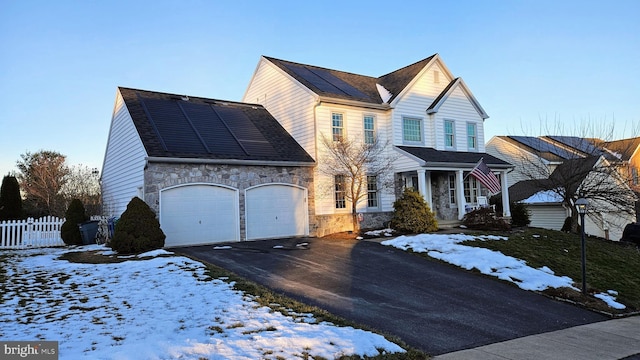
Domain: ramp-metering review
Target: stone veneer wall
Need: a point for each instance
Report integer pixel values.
(159, 176)
(441, 198)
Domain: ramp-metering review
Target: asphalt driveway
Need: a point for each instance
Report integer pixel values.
(432, 306)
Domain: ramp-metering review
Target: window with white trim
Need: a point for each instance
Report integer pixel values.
(452, 189)
(372, 191)
(471, 190)
(369, 129)
(472, 136)
(411, 130)
(449, 134)
(340, 195)
(337, 126)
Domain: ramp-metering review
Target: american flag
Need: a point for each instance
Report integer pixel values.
(486, 177)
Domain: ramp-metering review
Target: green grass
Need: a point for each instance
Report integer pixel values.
(610, 265)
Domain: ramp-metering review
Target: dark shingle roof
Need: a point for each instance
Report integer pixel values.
(176, 126)
(435, 157)
(541, 147)
(624, 147)
(526, 188)
(570, 174)
(396, 81)
(332, 83)
(344, 85)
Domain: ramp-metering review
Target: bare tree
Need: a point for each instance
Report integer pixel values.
(356, 163)
(577, 166)
(42, 175)
(82, 183)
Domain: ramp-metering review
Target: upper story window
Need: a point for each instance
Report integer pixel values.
(634, 176)
(340, 195)
(472, 136)
(337, 126)
(369, 129)
(449, 134)
(372, 191)
(411, 130)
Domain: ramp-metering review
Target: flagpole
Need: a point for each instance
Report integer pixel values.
(469, 173)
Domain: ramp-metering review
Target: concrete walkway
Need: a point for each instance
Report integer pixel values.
(611, 339)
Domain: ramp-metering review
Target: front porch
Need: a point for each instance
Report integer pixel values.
(443, 178)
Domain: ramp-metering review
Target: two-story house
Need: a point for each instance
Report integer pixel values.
(216, 170)
(432, 123)
(549, 169)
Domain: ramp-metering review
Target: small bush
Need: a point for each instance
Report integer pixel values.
(137, 230)
(411, 214)
(519, 215)
(75, 214)
(484, 219)
(566, 226)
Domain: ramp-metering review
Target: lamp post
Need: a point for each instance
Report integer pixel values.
(581, 206)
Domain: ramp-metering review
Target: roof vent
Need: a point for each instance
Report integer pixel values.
(185, 98)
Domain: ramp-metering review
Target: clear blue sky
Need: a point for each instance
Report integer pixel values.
(525, 61)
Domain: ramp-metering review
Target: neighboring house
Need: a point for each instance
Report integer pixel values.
(212, 170)
(542, 163)
(430, 120)
(627, 151)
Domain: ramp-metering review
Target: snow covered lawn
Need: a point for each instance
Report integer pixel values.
(447, 247)
(156, 307)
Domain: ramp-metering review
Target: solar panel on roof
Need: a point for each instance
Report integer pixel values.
(339, 83)
(212, 129)
(544, 146)
(323, 80)
(252, 140)
(174, 129)
(578, 143)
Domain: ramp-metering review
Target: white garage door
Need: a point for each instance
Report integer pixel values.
(199, 214)
(547, 216)
(276, 210)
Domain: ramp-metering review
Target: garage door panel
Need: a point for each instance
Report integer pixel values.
(276, 211)
(199, 214)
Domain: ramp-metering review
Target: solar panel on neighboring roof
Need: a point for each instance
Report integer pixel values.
(544, 146)
(578, 143)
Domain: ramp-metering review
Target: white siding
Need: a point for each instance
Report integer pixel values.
(123, 167)
(547, 216)
(415, 101)
(459, 109)
(353, 129)
(526, 164)
(287, 100)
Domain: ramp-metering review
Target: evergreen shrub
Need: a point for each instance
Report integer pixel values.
(137, 230)
(75, 215)
(519, 215)
(412, 215)
(10, 199)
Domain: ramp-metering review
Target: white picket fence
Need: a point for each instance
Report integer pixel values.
(30, 233)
